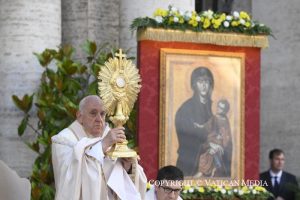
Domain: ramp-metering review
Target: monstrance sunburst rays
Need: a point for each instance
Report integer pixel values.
(119, 84)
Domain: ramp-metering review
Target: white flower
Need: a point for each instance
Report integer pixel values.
(235, 190)
(254, 191)
(241, 192)
(236, 14)
(229, 17)
(223, 191)
(261, 25)
(229, 192)
(191, 190)
(252, 24)
(173, 9)
(175, 19)
(198, 19)
(226, 24)
(242, 21)
(158, 19)
(208, 14)
(188, 15)
(181, 12)
(184, 191)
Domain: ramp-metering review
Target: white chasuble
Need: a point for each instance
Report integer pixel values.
(82, 172)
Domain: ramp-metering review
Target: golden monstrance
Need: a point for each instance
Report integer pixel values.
(119, 86)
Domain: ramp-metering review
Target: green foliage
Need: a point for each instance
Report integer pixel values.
(64, 82)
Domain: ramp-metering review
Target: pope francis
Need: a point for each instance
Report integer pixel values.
(81, 169)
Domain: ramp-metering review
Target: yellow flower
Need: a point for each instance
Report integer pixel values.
(186, 187)
(193, 22)
(235, 23)
(244, 15)
(248, 24)
(228, 187)
(260, 189)
(201, 189)
(202, 19)
(177, 14)
(160, 12)
(223, 17)
(218, 189)
(148, 186)
(245, 189)
(181, 20)
(206, 23)
(216, 23)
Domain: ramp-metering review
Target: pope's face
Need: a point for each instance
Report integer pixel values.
(203, 85)
(92, 117)
(168, 190)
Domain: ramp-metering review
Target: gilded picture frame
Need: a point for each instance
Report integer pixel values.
(204, 146)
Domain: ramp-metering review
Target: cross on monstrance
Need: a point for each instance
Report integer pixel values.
(120, 55)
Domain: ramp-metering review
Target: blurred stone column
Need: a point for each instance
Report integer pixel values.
(242, 6)
(280, 80)
(96, 20)
(25, 27)
(131, 9)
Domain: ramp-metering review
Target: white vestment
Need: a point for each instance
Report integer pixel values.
(83, 172)
(151, 194)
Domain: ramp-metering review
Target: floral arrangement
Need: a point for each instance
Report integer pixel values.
(174, 18)
(215, 192)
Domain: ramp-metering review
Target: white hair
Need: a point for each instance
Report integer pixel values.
(85, 100)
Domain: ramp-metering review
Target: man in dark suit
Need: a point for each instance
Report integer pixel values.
(278, 181)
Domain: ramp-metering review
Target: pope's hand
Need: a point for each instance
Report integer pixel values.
(113, 136)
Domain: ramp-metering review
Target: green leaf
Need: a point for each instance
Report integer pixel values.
(45, 57)
(71, 85)
(25, 104)
(95, 69)
(28, 102)
(18, 102)
(50, 74)
(41, 103)
(48, 192)
(90, 48)
(60, 66)
(68, 50)
(23, 126)
(72, 69)
(34, 146)
(93, 88)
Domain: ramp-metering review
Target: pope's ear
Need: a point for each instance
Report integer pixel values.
(78, 116)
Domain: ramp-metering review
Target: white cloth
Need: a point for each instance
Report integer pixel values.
(151, 194)
(12, 187)
(82, 172)
(278, 175)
